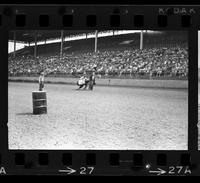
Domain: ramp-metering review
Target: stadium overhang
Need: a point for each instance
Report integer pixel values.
(33, 37)
(28, 36)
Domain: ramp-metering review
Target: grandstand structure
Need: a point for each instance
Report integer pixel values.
(139, 53)
(29, 37)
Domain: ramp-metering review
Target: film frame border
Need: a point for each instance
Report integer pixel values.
(109, 162)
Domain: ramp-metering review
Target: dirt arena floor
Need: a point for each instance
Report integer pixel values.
(105, 118)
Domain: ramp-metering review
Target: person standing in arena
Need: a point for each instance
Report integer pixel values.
(41, 81)
(92, 80)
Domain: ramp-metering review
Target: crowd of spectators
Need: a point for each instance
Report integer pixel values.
(116, 63)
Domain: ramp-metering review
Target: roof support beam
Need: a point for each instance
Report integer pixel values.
(35, 48)
(141, 40)
(14, 44)
(96, 37)
(61, 45)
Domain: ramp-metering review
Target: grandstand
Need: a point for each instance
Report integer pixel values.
(163, 54)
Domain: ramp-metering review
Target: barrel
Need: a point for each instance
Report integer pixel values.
(39, 102)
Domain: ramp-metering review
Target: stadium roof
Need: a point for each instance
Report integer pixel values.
(27, 36)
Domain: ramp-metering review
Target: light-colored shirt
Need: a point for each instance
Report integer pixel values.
(41, 79)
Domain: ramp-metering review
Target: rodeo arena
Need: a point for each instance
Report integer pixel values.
(98, 90)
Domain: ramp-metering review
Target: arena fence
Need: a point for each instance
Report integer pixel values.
(144, 83)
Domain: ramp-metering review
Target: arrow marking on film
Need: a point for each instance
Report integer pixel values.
(68, 171)
(159, 171)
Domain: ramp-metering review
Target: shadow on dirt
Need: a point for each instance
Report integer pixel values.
(24, 114)
(82, 90)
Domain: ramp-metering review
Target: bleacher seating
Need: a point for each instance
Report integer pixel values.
(117, 56)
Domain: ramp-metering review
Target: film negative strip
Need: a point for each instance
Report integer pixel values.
(99, 90)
